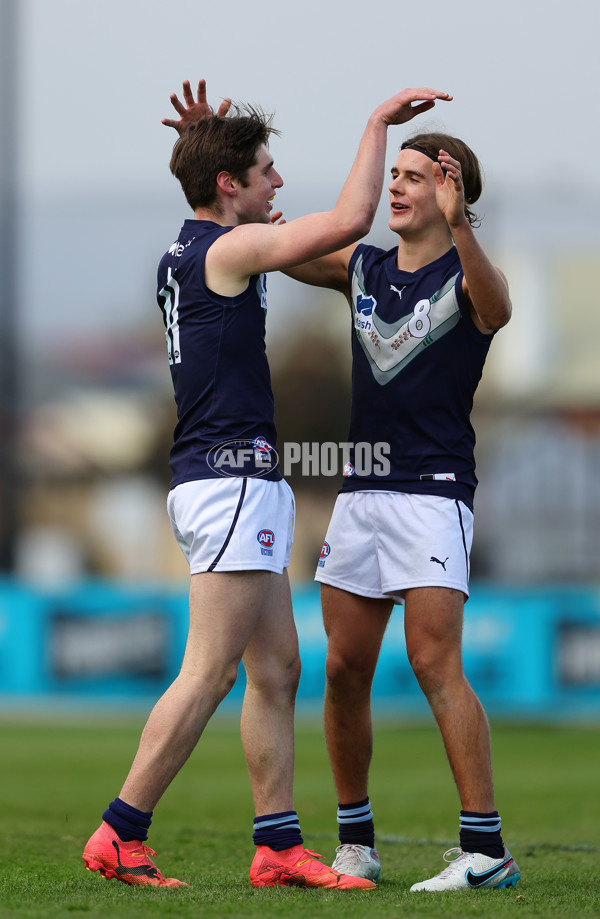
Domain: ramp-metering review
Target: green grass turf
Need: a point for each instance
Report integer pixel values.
(57, 776)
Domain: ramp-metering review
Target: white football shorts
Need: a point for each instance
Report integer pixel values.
(380, 544)
(233, 524)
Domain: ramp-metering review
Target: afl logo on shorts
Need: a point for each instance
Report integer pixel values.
(324, 553)
(266, 540)
(243, 457)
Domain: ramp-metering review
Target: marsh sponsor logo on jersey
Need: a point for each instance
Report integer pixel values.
(253, 458)
(324, 554)
(266, 540)
(364, 309)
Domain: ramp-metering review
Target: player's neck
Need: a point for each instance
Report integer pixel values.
(224, 217)
(416, 252)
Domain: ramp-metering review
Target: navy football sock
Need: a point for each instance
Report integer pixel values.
(355, 823)
(277, 831)
(481, 833)
(128, 822)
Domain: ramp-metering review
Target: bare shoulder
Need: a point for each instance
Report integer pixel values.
(227, 269)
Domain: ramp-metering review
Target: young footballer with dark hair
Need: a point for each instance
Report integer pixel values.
(231, 511)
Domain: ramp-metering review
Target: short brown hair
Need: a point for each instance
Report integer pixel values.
(216, 144)
(432, 142)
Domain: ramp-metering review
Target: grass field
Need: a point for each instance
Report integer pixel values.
(57, 776)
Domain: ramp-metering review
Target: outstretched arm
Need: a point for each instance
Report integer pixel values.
(484, 286)
(329, 271)
(272, 248)
(193, 110)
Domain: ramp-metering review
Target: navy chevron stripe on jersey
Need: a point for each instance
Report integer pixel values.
(417, 360)
(216, 349)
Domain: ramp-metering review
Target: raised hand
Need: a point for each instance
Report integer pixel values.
(193, 110)
(449, 189)
(400, 108)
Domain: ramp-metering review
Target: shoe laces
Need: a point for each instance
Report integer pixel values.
(349, 851)
(312, 854)
(147, 850)
(452, 856)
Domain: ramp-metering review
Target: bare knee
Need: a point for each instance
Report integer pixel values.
(206, 686)
(433, 628)
(348, 673)
(355, 627)
(428, 674)
(436, 667)
(278, 679)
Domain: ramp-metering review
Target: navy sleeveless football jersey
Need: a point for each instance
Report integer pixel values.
(417, 361)
(219, 367)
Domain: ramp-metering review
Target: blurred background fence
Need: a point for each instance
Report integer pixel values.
(529, 653)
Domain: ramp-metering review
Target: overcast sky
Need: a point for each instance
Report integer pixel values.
(95, 77)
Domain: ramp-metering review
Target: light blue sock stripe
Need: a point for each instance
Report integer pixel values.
(363, 819)
(468, 820)
(287, 823)
(356, 813)
(481, 824)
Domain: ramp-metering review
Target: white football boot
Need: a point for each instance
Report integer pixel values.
(471, 871)
(358, 861)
